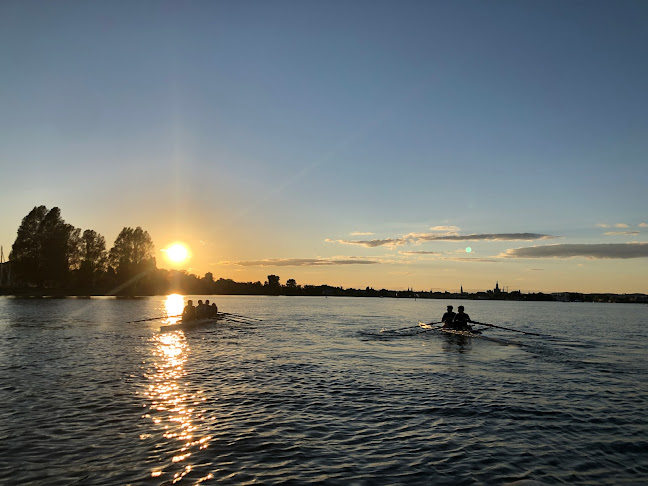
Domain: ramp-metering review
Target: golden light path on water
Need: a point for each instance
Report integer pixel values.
(172, 406)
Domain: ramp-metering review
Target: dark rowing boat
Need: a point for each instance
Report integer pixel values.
(469, 334)
(428, 327)
(193, 324)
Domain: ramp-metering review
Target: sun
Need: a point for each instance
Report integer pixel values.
(177, 253)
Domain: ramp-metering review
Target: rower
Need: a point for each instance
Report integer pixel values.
(200, 310)
(448, 317)
(189, 312)
(461, 320)
(213, 310)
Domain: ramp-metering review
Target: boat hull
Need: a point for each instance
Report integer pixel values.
(428, 327)
(448, 331)
(189, 325)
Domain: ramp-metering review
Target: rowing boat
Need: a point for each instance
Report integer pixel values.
(428, 327)
(193, 324)
(469, 334)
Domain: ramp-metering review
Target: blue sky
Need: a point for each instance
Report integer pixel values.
(267, 135)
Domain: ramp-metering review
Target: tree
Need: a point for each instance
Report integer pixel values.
(25, 253)
(60, 248)
(46, 248)
(132, 256)
(291, 283)
(94, 258)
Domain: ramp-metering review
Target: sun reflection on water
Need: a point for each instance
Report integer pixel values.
(173, 305)
(172, 406)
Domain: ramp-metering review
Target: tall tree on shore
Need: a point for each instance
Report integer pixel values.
(94, 258)
(25, 255)
(61, 247)
(46, 248)
(132, 256)
(273, 284)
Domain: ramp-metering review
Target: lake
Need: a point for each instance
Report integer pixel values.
(321, 390)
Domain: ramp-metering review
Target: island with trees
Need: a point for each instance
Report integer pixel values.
(53, 258)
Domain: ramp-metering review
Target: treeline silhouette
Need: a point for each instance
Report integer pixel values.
(52, 257)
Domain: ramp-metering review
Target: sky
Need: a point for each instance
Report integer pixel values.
(386, 144)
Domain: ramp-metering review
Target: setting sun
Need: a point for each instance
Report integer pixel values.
(177, 253)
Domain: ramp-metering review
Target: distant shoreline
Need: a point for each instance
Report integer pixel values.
(326, 291)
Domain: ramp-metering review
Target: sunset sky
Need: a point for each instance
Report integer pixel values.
(349, 143)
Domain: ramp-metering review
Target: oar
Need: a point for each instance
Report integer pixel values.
(430, 328)
(405, 328)
(240, 316)
(153, 319)
(506, 328)
(246, 317)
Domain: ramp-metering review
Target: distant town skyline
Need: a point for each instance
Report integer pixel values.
(424, 145)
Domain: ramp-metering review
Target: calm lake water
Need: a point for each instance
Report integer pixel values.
(314, 392)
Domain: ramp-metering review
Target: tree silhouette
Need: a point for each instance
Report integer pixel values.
(46, 248)
(95, 258)
(132, 257)
(61, 247)
(25, 254)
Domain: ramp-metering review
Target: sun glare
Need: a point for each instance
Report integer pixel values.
(177, 253)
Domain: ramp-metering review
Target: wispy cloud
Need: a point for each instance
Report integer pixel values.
(388, 242)
(615, 225)
(485, 236)
(300, 262)
(360, 233)
(447, 229)
(416, 238)
(616, 233)
(643, 225)
(419, 252)
(473, 259)
(591, 251)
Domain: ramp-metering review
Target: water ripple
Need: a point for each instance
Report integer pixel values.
(315, 394)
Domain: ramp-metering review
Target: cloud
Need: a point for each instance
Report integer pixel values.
(448, 229)
(616, 233)
(417, 238)
(360, 233)
(592, 251)
(617, 225)
(643, 225)
(388, 242)
(487, 236)
(419, 252)
(474, 260)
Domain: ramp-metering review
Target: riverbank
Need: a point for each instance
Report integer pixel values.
(328, 291)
